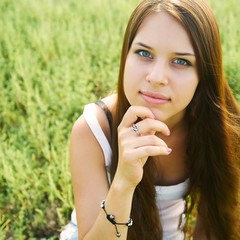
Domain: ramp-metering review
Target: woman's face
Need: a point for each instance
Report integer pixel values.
(161, 70)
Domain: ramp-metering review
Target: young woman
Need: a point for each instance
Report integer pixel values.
(168, 141)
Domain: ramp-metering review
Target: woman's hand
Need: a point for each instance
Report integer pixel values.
(136, 146)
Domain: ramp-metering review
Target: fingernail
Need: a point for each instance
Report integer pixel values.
(169, 150)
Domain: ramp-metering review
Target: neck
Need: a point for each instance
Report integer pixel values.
(171, 169)
(177, 121)
(178, 133)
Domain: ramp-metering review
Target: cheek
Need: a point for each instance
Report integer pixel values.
(127, 82)
(134, 70)
(193, 86)
(131, 74)
(186, 90)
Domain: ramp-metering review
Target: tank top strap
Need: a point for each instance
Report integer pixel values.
(107, 112)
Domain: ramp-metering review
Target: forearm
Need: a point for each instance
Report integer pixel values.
(118, 202)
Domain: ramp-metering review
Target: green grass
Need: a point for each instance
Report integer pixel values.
(56, 56)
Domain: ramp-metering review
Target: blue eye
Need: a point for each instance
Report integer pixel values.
(182, 62)
(144, 53)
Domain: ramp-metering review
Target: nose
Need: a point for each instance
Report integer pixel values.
(157, 74)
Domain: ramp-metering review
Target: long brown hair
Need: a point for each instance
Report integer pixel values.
(214, 129)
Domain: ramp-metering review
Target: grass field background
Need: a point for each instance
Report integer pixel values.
(56, 56)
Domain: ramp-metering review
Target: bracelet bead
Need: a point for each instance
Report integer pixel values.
(111, 219)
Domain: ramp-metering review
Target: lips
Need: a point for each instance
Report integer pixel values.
(154, 97)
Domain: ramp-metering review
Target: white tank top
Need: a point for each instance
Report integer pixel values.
(169, 198)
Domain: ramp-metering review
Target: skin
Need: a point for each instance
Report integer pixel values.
(161, 62)
(161, 75)
(159, 70)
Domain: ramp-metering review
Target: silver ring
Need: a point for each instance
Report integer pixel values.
(135, 129)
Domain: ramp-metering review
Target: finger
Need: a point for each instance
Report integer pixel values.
(146, 151)
(146, 140)
(151, 126)
(135, 112)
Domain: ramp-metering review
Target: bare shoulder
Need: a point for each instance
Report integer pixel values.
(83, 141)
(84, 148)
(81, 127)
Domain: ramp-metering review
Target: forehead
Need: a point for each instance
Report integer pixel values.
(162, 29)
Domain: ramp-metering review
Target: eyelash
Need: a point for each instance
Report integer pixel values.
(141, 51)
(186, 62)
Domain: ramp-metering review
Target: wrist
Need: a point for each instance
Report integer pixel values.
(111, 219)
(119, 184)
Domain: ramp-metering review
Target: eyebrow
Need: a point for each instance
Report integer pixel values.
(143, 45)
(176, 53)
(184, 54)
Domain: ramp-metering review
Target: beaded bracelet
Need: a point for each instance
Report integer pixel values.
(111, 219)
